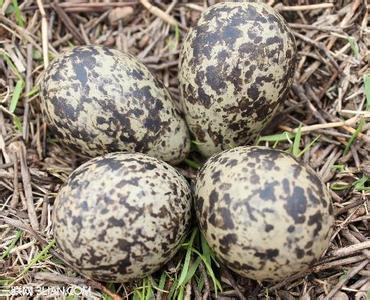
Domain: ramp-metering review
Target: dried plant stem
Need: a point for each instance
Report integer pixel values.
(350, 249)
(20, 151)
(345, 279)
(44, 32)
(159, 13)
(309, 128)
(304, 7)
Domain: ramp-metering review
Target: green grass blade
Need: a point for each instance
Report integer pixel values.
(16, 95)
(191, 163)
(211, 274)
(200, 283)
(185, 267)
(367, 90)
(276, 137)
(18, 124)
(148, 290)
(339, 186)
(297, 141)
(177, 33)
(39, 257)
(162, 281)
(136, 295)
(9, 62)
(172, 292)
(35, 90)
(308, 146)
(354, 136)
(180, 296)
(359, 185)
(205, 249)
(111, 287)
(18, 16)
(208, 254)
(71, 297)
(193, 268)
(338, 167)
(12, 244)
(105, 297)
(36, 55)
(354, 47)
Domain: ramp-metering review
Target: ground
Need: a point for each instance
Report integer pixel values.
(323, 122)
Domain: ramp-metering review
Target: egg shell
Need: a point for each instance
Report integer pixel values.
(264, 214)
(236, 67)
(121, 216)
(99, 100)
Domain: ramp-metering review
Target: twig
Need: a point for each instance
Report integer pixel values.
(346, 233)
(51, 277)
(319, 267)
(339, 263)
(15, 198)
(28, 89)
(67, 22)
(341, 282)
(20, 150)
(350, 249)
(304, 7)
(159, 13)
(5, 6)
(315, 27)
(234, 284)
(22, 32)
(197, 295)
(44, 214)
(363, 291)
(319, 46)
(44, 32)
(348, 122)
(207, 291)
(355, 5)
(349, 206)
(87, 6)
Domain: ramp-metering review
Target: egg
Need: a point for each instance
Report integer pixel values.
(265, 215)
(121, 216)
(99, 100)
(236, 67)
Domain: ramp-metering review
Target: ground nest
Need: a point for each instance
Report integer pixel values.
(323, 122)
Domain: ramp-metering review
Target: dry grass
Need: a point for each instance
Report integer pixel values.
(324, 122)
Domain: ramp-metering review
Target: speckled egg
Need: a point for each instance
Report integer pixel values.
(236, 67)
(99, 100)
(265, 215)
(121, 216)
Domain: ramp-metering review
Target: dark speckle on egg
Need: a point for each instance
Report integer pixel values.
(99, 100)
(236, 67)
(121, 216)
(267, 216)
